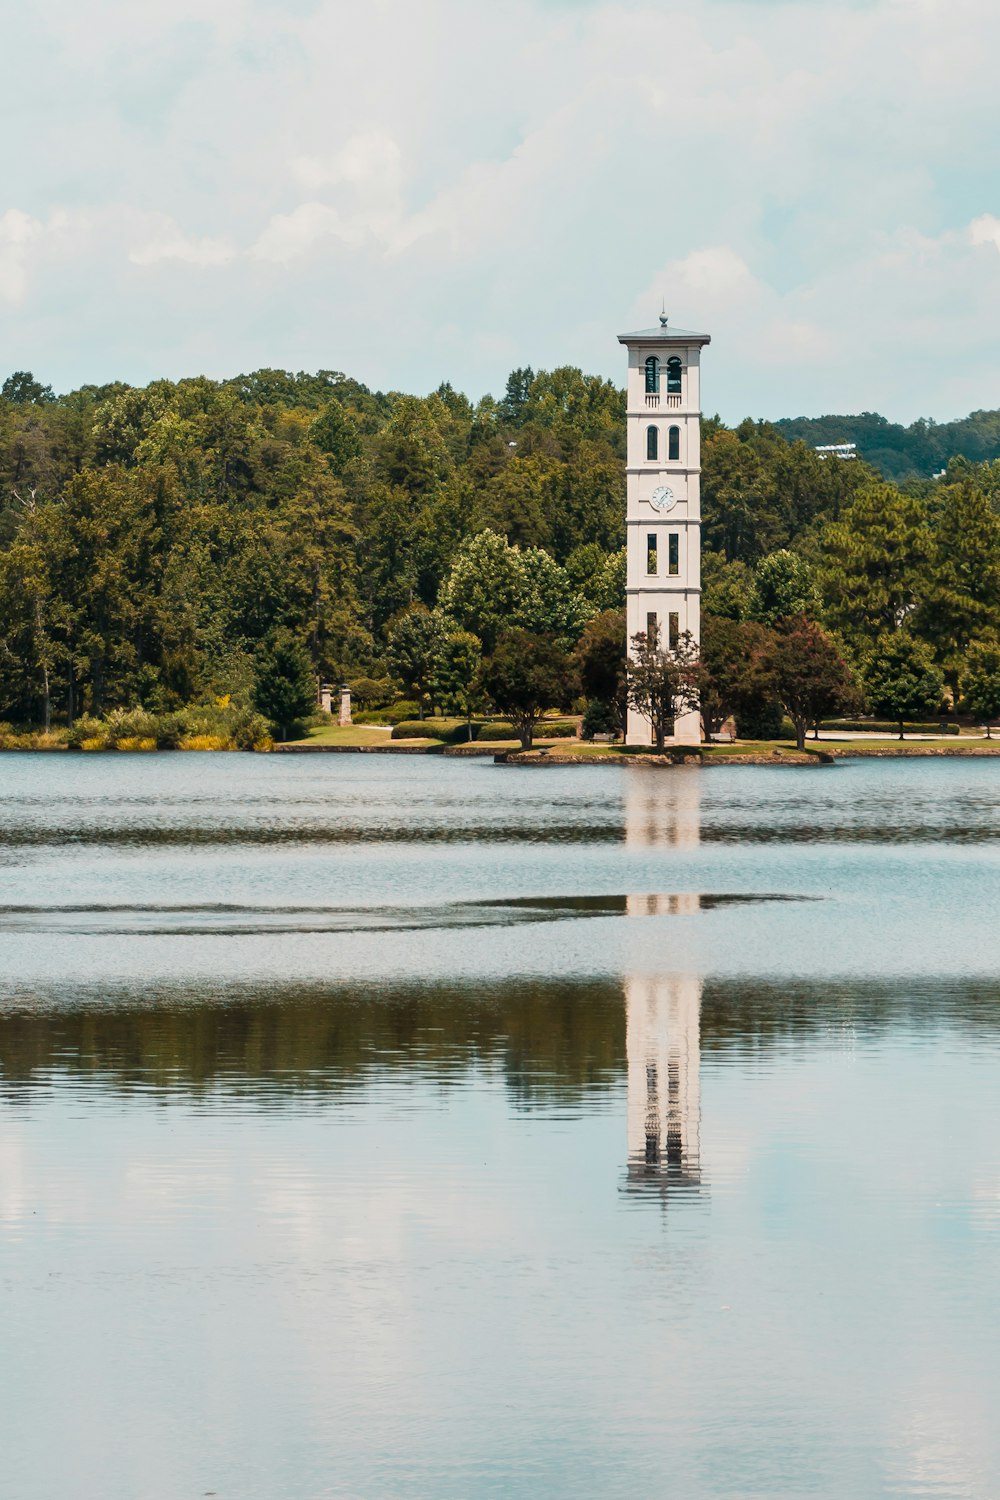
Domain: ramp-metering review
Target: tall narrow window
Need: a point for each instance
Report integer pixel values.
(674, 443)
(673, 376)
(673, 629)
(673, 554)
(652, 442)
(651, 553)
(652, 627)
(652, 376)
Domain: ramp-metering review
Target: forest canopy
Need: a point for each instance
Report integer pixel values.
(157, 543)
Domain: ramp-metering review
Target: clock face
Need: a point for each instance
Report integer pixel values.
(663, 498)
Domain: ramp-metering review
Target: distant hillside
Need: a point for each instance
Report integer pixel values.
(923, 448)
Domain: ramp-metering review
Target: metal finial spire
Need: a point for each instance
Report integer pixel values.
(663, 312)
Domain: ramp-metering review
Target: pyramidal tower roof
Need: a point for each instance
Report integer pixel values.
(664, 334)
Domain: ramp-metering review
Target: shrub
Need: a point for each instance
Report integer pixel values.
(496, 729)
(206, 742)
(760, 721)
(882, 726)
(373, 692)
(85, 733)
(206, 726)
(406, 708)
(30, 739)
(251, 731)
(557, 731)
(448, 731)
(123, 727)
(599, 718)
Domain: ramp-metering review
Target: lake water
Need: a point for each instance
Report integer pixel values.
(377, 1128)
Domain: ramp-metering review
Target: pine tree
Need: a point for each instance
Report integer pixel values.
(284, 686)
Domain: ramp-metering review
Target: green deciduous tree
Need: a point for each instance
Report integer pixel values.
(414, 644)
(22, 389)
(784, 586)
(523, 677)
(725, 586)
(336, 435)
(981, 683)
(600, 659)
(732, 676)
(809, 676)
(492, 587)
(455, 681)
(901, 680)
(412, 454)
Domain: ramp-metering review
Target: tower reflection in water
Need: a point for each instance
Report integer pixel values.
(663, 1011)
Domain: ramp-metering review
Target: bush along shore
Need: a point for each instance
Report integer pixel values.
(209, 727)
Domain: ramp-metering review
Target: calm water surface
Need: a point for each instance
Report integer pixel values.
(378, 1128)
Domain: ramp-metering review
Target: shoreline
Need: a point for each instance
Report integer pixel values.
(553, 755)
(706, 757)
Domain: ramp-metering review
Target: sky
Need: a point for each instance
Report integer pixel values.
(414, 191)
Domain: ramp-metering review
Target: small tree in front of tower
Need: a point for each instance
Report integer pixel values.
(525, 675)
(662, 684)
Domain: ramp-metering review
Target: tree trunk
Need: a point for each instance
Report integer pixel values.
(900, 729)
(800, 733)
(40, 644)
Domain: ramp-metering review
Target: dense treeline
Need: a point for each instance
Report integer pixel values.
(920, 450)
(153, 539)
(161, 547)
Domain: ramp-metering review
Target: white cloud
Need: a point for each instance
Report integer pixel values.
(287, 236)
(168, 242)
(524, 179)
(985, 231)
(369, 159)
(19, 233)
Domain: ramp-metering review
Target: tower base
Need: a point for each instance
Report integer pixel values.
(687, 730)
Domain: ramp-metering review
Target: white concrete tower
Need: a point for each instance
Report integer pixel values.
(663, 458)
(663, 1047)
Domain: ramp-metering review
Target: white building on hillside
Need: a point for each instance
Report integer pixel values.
(663, 412)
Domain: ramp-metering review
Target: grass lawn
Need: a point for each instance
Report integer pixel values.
(848, 746)
(353, 734)
(893, 742)
(365, 734)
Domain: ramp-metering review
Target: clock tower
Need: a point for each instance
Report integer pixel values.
(663, 458)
